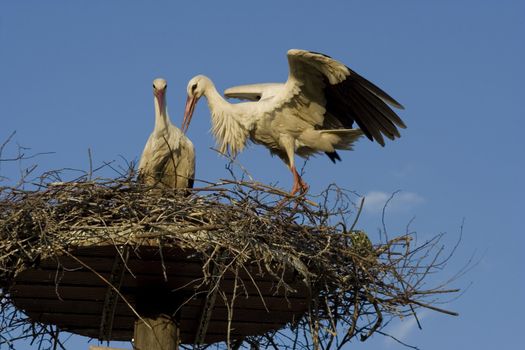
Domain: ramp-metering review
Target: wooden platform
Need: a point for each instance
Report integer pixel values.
(64, 292)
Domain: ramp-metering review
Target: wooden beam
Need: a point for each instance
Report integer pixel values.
(159, 333)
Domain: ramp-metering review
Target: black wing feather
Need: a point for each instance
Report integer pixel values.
(381, 107)
(386, 126)
(334, 156)
(362, 118)
(375, 89)
(358, 100)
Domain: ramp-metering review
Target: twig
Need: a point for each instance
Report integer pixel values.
(106, 282)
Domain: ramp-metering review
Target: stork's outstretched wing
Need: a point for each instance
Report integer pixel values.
(345, 96)
(254, 92)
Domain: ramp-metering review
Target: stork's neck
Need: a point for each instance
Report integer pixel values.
(215, 100)
(162, 120)
(228, 125)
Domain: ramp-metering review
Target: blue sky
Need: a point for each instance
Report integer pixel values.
(78, 76)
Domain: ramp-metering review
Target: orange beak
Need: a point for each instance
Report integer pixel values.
(188, 112)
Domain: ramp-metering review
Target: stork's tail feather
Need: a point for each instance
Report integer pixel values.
(343, 138)
(334, 156)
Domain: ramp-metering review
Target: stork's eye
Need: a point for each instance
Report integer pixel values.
(193, 87)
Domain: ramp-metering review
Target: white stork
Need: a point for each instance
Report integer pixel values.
(314, 111)
(168, 158)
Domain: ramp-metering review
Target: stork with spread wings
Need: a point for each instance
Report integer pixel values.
(313, 111)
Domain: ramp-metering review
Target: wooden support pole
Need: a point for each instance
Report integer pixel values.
(159, 327)
(159, 333)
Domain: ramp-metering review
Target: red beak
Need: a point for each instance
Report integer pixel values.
(159, 94)
(188, 112)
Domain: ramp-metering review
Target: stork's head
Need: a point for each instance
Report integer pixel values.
(196, 88)
(159, 91)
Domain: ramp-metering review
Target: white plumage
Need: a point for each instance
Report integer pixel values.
(168, 158)
(314, 111)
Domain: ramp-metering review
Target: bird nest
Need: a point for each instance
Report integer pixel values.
(354, 286)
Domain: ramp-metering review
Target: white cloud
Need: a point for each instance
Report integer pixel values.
(402, 201)
(402, 329)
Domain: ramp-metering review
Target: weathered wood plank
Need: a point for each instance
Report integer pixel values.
(150, 267)
(159, 333)
(70, 295)
(62, 286)
(188, 311)
(216, 332)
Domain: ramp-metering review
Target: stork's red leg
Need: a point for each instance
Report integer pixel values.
(298, 183)
(289, 146)
(304, 185)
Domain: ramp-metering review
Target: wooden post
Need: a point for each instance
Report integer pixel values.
(159, 327)
(160, 333)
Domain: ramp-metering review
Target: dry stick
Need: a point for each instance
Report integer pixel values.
(256, 287)
(358, 214)
(271, 190)
(451, 313)
(20, 156)
(230, 308)
(272, 342)
(233, 161)
(215, 251)
(161, 255)
(355, 315)
(386, 247)
(379, 319)
(223, 295)
(209, 189)
(122, 256)
(57, 280)
(295, 340)
(209, 304)
(173, 162)
(56, 341)
(4, 144)
(442, 291)
(403, 288)
(384, 211)
(333, 331)
(107, 282)
(110, 302)
(182, 230)
(237, 344)
(90, 172)
(397, 340)
(314, 325)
